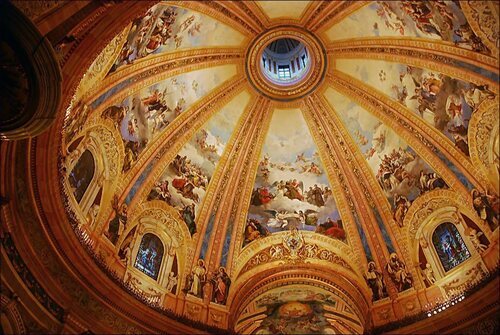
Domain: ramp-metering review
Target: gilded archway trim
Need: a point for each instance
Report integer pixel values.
(429, 202)
(483, 127)
(321, 248)
(347, 288)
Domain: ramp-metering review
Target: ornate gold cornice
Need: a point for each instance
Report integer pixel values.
(165, 147)
(311, 80)
(435, 55)
(482, 16)
(427, 141)
(483, 127)
(333, 14)
(323, 250)
(235, 170)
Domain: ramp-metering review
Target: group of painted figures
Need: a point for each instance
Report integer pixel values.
(431, 18)
(202, 283)
(397, 271)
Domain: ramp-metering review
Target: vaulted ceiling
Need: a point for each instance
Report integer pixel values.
(213, 194)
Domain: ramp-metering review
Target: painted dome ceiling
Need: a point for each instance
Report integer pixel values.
(202, 177)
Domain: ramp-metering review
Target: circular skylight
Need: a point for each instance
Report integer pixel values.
(285, 61)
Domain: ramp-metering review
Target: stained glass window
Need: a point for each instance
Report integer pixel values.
(449, 245)
(81, 175)
(150, 255)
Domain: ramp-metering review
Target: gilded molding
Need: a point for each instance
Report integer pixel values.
(240, 207)
(341, 192)
(483, 127)
(483, 19)
(436, 55)
(234, 174)
(424, 139)
(252, 11)
(311, 80)
(96, 73)
(218, 11)
(361, 172)
(318, 247)
(429, 203)
(339, 12)
(360, 169)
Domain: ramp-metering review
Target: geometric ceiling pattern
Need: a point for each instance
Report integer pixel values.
(325, 213)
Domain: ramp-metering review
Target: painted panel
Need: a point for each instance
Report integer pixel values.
(143, 116)
(291, 187)
(402, 174)
(184, 184)
(165, 29)
(440, 20)
(445, 103)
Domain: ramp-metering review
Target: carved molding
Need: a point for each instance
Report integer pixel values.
(315, 246)
(483, 128)
(483, 19)
(440, 56)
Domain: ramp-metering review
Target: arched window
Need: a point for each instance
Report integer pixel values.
(449, 246)
(82, 174)
(150, 255)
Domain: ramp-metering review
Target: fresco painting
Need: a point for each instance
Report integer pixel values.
(402, 174)
(297, 310)
(143, 116)
(150, 255)
(291, 187)
(184, 184)
(166, 29)
(445, 103)
(442, 20)
(449, 245)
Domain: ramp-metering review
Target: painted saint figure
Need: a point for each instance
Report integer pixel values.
(398, 273)
(375, 282)
(221, 283)
(199, 273)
